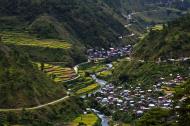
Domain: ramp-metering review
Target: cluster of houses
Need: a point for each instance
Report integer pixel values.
(137, 99)
(109, 53)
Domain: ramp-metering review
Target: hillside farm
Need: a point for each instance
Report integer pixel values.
(59, 73)
(23, 39)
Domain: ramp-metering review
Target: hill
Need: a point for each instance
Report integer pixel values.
(141, 14)
(91, 22)
(22, 84)
(170, 42)
(45, 50)
(142, 5)
(54, 115)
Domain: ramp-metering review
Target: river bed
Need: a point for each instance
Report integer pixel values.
(102, 83)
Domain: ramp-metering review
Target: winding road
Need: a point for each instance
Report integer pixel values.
(37, 107)
(46, 104)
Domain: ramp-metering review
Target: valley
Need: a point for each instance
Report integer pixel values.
(94, 63)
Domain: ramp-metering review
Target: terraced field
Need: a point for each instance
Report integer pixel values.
(25, 40)
(105, 75)
(157, 27)
(78, 84)
(83, 84)
(88, 120)
(87, 89)
(59, 73)
(93, 67)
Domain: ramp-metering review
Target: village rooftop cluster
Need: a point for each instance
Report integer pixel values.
(110, 53)
(136, 99)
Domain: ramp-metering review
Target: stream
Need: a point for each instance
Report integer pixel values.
(102, 83)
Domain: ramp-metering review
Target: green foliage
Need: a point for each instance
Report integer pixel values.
(171, 42)
(93, 68)
(21, 83)
(184, 111)
(45, 50)
(156, 117)
(87, 20)
(122, 116)
(58, 114)
(24, 39)
(57, 72)
(85, 120)
(44, 28)
(146, 73)
(105, 75)
(148, 12)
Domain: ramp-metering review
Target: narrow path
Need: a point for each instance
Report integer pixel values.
(37, 107)
(47, 104)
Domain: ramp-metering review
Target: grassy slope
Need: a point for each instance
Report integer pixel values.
(21, 84)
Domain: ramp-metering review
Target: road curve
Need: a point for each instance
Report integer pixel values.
(47, 104)
(36, 107)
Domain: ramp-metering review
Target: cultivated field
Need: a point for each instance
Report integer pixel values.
(88, 120)
(87, 89)
(59, 73)
(25, 40)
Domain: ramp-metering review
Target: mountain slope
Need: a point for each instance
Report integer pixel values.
(87, 20)
(21, 84)
(142, 5)
(171, 42)
(141, 14)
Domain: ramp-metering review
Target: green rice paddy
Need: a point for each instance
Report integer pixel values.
(59, 73)
(87, 89)
(87, 119)
(157, 27)
(24, 39)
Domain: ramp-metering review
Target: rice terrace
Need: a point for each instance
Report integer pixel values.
(23, 39)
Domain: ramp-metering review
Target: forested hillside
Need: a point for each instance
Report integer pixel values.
(137, 74)
(171, 42)
(91, 22)
(141, 5)
(142, 14)
(22, 84)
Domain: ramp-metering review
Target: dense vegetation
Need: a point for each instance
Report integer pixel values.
(171, 42)
(148, 12)
(21, 83)
(146, 73)
(90, 21)
(141, 5)
(45, 50)
(58, 31)
(59, 114)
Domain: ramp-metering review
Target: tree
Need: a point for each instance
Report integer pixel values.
(42, 66)
(156, 117)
